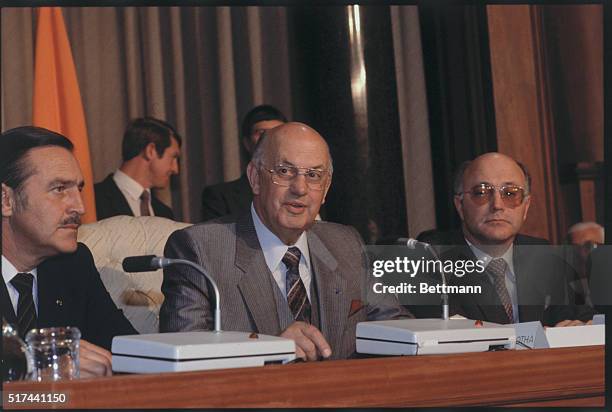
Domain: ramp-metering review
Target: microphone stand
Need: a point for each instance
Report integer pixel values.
(162, 262)
(412, 243)
(200, 269)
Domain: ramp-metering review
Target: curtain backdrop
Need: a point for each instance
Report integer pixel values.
(413, 116)
(201, 69)
(191, 66)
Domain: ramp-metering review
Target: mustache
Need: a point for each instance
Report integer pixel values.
(74, 219)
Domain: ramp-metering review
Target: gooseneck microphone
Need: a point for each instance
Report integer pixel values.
(150, 263)
(413, 244)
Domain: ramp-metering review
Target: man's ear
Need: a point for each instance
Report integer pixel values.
(527, 204)
(326, 189)
(8, 201)
(458, 205)
(149, 152)
(253, 175)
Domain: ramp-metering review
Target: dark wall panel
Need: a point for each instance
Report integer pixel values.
(367, 189)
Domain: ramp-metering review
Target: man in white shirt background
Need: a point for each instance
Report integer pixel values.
(150, 150)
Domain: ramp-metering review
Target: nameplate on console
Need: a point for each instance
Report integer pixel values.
(531, 335)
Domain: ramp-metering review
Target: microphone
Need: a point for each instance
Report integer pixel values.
(150, 263)
(412, 244)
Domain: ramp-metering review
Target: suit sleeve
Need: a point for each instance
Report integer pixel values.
(563, 305)
(187, 305)
(379, 306)
(105, 320)
(214, 204)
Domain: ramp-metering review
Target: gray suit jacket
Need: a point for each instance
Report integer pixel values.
(230, 252)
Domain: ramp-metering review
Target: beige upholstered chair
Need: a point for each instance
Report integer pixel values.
(110, 240)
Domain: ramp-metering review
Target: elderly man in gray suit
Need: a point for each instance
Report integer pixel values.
(279, 271)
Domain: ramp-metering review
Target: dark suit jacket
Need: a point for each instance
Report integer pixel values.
(229, 198)
(111, 202)
(71, 293)
(542, 279)
(230, 252)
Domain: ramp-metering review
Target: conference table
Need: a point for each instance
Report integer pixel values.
(538, 377)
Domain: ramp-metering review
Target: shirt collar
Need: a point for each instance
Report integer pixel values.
(273, 248)
(486, 258)
(128, 185)
(9, 271)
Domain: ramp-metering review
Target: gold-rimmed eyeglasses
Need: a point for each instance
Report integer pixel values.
(511, 195)
(283, 175)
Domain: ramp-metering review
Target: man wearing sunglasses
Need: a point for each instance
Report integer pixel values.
(523, 279)
(279, 271)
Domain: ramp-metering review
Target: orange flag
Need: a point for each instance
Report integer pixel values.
(57, 102)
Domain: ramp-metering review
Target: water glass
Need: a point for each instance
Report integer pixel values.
(54, 353)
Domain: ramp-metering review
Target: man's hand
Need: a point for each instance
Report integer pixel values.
(95, 361)
(568, 322)
(310, 344)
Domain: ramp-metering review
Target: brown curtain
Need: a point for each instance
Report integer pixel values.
(201, 69)
(413, 117)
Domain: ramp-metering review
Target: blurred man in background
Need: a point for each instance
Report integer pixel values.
(234, 198)
(151, 149)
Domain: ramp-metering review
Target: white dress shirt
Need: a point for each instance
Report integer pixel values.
(509, 277)
(8, 273)
(132, 190)
(274, 249)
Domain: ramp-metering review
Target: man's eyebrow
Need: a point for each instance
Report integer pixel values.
(288, 163)
(66, 182)
(508, 183)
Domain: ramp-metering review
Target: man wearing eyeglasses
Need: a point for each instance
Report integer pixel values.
(279, 271)
(523, 280)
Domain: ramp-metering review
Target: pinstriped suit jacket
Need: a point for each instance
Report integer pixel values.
(230, 252)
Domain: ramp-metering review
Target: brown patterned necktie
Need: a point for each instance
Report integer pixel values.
(26, 312)
(144, 203)
(297, 298)
(497, 268)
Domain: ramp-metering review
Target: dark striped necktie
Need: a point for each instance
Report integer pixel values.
(297, 298)
(497, 268)
(26, 312)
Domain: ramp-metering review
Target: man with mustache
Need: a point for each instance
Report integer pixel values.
(49, 278)
(279, 271)
(150, 150)
(523, 281)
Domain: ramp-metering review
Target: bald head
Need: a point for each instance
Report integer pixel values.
(292, 131)
(491, 198)
(487, 161)
(290, 174)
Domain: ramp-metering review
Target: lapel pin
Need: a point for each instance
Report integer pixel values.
(59, 302)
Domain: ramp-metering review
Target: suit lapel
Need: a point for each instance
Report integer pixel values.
(331, 290)
(117, 198)
(51, 297)
(526, 289)
(8, 312)
(254, 283)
